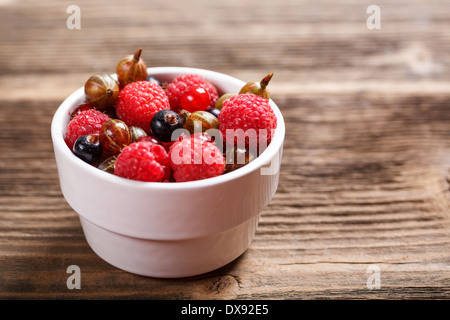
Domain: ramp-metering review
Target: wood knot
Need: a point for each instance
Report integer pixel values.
(224, 283)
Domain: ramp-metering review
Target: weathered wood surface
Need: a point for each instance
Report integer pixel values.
(366, 163)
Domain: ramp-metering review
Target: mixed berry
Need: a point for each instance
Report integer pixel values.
(139, 128)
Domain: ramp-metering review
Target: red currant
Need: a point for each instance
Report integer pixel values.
(115, 135)
(195, 98)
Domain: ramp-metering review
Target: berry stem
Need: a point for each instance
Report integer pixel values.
(93, 138)
(137, 55)
(264, 82)
(184, 114)
(171, 119)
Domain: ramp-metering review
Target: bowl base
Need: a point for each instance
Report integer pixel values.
(170, 258)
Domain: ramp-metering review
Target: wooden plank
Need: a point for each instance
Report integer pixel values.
(365, 170)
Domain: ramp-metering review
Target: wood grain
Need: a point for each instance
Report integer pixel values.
(365, 170)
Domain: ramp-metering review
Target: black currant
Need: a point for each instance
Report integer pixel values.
(164, 123)
(88, 148)
(214, 111)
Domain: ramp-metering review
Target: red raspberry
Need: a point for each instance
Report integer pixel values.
(246, 112)
(143, 161)
(139, 101)
(195, 158)
(86, 122)
(82, 107)
(177, 87)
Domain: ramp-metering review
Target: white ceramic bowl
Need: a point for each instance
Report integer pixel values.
(168, 230)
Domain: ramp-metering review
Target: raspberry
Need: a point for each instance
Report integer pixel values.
(82, 107)
(84, 123)
(143, 161)
(195, 158)
(250, 113)
(139, 101)
(177, 87)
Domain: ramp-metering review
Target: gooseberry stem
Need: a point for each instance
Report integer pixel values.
(264, 82)
(137, 54)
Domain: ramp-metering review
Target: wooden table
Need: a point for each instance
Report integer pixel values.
(364, 186)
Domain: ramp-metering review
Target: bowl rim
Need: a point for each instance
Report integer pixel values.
(58, 128)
